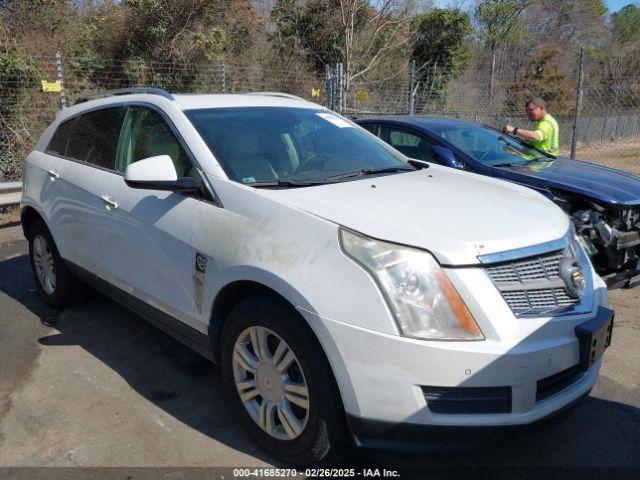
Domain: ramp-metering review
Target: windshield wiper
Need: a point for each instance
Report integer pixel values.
(369, 171)
(421, 164)
(286, 183)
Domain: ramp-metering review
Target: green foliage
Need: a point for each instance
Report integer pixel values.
(500, 22)
(542, 80)
(313, 30)
(440, 43)
(626, 24)
(212, 42)
(19, 83)
(310, 30)
(441, 53)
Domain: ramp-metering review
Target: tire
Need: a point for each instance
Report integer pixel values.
(58, 287)
(320, 432)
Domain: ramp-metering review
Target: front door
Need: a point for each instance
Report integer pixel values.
(148, 252)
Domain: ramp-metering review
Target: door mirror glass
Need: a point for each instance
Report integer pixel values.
(158, 173)
(447, 157)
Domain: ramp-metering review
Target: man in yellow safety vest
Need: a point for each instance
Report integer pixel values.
(545, 133)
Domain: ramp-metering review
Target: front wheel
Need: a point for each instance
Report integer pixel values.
(279, 382)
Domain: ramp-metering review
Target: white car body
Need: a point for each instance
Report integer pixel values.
(144, 244)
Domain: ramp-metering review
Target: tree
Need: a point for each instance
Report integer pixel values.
(500, 23)
(543, 80)
(353, 32)
(626, 24)
(439, 47)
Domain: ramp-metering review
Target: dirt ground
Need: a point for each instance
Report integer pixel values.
(9, 216)
(624, 157)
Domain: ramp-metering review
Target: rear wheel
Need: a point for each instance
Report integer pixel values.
(58, 287)
(280, 384)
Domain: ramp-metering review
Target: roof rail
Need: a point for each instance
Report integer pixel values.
(124, 91)
(276, 94)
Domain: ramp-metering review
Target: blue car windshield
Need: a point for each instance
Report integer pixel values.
(282, 144)
(489, 146)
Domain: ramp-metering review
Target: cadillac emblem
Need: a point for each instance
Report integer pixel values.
(571, 273)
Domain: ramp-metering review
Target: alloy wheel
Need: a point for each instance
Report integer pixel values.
(271, 383)
(44, 264)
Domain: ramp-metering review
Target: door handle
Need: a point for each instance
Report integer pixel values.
(109, 202)
(53, 175)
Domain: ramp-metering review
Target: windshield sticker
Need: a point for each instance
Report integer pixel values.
(249, 180)
(337, 121)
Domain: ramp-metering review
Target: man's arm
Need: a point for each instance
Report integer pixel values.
(531, 135)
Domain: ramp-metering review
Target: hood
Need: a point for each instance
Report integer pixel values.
(455, 215)
(589, 179)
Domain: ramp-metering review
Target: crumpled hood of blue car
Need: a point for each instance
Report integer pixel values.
(589, 179)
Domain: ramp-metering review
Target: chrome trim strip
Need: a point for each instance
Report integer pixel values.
(521, 253)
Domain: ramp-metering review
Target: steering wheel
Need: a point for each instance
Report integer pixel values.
(312, 160)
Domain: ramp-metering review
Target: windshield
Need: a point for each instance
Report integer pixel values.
(489, 146)
(278, 144)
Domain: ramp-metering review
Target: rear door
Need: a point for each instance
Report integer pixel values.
(148, 249)
(78, 219)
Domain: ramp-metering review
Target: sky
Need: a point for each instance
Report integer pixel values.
(612, 5)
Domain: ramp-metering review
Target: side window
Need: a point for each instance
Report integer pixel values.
(94, 137)
(403, 139)
(410, 144)
(145, 134)
(58, 143)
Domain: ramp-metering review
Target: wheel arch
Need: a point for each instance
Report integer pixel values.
(236, 291)
(28, 216)
(229, 296)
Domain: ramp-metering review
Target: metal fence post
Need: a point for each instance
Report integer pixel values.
(329, 85)
(578, 104)
(412, 83)
(340, 91)
(60, 78)
(223, 78)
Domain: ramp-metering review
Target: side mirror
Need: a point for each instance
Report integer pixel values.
(158, 173)
(447, 157)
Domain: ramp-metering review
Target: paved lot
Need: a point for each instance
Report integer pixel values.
(96, 386)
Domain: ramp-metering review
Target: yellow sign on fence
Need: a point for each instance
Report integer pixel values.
(315, 92)
(362, 96)
(51, 86)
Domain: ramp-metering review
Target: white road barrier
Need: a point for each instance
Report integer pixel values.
(10, 193)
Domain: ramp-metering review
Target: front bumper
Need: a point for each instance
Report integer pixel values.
(381, 377)
(417, 438)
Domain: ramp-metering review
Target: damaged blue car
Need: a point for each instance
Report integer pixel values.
(604, 203)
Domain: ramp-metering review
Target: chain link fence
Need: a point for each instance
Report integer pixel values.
(607, 127)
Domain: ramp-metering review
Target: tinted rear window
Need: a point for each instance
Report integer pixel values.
(94, 138)
(58, 143)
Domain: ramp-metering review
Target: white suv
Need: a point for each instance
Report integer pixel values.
(348, 293)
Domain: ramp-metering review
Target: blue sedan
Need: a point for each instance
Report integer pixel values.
(604, 203)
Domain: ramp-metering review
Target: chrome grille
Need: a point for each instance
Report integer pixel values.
(533, 285)
(543, 266)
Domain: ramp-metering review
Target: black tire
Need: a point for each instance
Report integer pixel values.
(325, 432)
(68, 289)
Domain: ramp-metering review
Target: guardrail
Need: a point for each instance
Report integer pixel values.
(10, 193)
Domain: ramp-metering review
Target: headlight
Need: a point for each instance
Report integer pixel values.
(424, 302)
